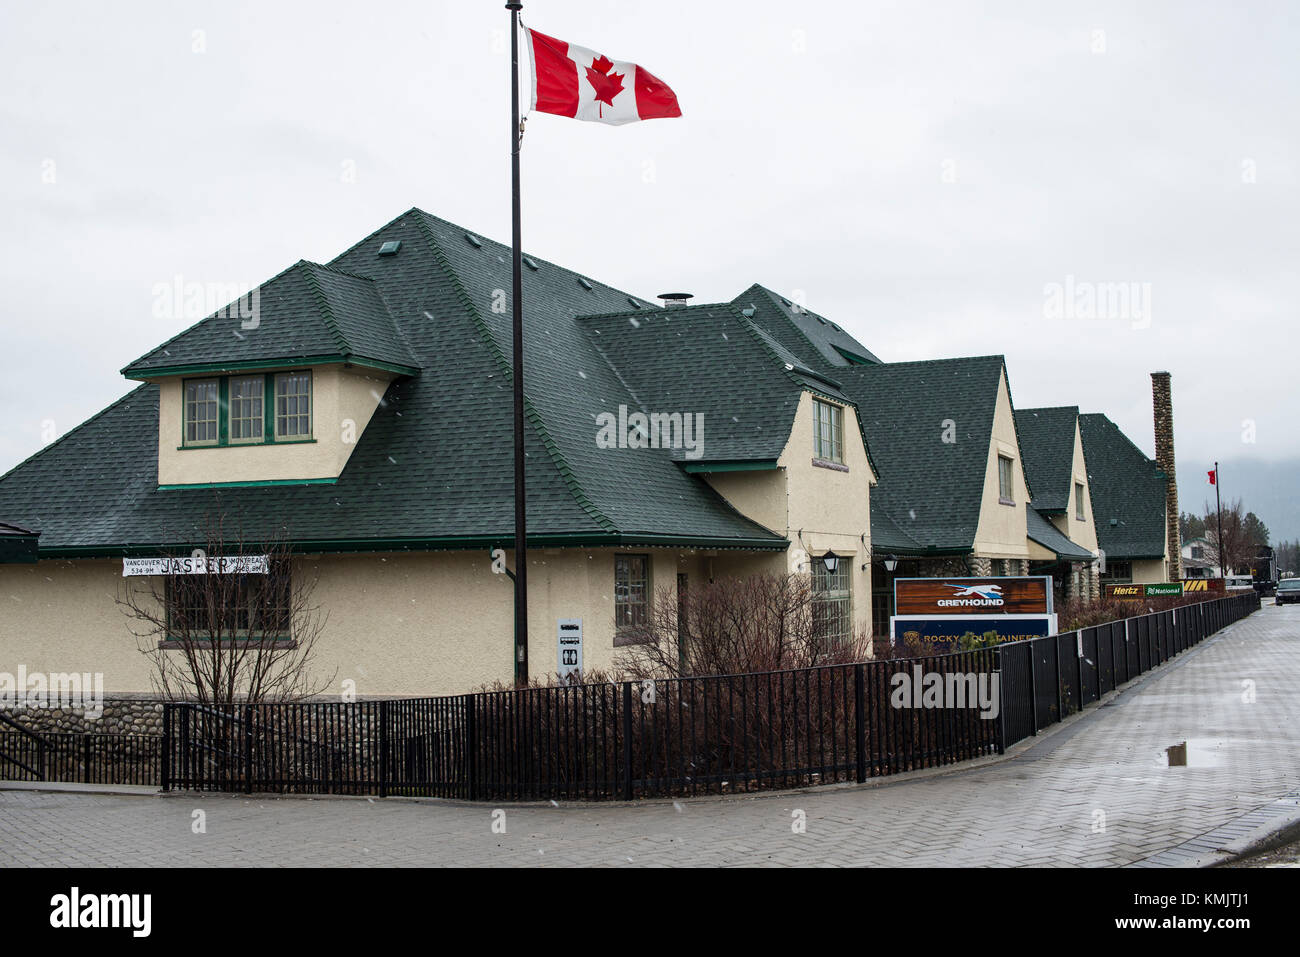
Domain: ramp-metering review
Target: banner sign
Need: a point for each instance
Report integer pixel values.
(945, 630)
(1154, 590)
(569, 648)
(973, 596)
(195, 565)
(1202, 585)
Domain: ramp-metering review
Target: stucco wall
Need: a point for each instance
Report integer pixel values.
(816, 508)
(408, 623)
(1083, 533)
(1001, 532)
(339, 396)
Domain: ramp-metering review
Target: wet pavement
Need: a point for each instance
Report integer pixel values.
(1101, 791)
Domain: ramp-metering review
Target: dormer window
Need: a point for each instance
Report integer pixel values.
(247, 420)
(201, 408)
(293, 405)
(247, 410)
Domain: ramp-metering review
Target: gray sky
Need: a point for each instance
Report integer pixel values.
(920, 172)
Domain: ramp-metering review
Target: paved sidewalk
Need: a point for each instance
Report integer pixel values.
(1097, 792)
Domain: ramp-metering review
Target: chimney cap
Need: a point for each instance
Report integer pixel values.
(676, 298)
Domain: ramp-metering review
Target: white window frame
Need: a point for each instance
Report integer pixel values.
(1006, 489)
(828, 432)
(259, 398)
(281, 436)
(188, 405)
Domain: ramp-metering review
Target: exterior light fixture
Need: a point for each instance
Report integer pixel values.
(831, 561)
(891, 562)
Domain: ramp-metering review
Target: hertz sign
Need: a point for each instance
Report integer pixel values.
(1154, 590)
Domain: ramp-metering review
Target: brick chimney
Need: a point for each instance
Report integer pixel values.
(1163, 405)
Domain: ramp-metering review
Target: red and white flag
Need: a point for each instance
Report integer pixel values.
(570, 80)
(1214, 478)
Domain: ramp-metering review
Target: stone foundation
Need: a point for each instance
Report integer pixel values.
(122, 715)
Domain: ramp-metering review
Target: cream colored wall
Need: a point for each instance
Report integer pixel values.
(339, 396)
(1001, 532)
(1149, 571)
(400, 624)
(831, 508)
(1084, 532)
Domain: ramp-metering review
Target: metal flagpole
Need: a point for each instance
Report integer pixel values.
(1218, 509)
(516, 299)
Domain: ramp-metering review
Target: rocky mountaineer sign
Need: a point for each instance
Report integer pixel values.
(973, 596)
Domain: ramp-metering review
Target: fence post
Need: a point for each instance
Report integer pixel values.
(85, 758)
(248, 749)
(1033, 682)
(627, 740)
(1060, 695)
(166, 761)
(471, 746)
(1002, 701)
(859, 719)
(383, 748)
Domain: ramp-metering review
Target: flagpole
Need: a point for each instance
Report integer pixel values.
(1218, 509)
(516, 299)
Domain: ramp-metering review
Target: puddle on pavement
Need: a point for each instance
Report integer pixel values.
(1195, 753)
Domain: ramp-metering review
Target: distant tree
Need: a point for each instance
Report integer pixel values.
(1236, 550)
(1190, 526)
(1288, 557)
(1256, 532)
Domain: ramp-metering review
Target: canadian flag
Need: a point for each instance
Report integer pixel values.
(573, 81)
(1214, 478)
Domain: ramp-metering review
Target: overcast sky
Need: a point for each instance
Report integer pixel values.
(927, 174)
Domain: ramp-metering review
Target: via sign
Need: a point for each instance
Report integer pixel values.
(568, 650)
(197, 564)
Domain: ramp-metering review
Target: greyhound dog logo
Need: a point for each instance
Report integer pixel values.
(978, 595)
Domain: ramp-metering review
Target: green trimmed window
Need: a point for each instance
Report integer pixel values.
(828, 432)
(247, 409)
(201, 411)
(832, 606)
(293, 405)
(247, 417)
(631, 590)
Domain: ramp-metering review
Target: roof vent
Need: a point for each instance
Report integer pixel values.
(390, 248)
(673, 300)
(748, 313)
(635, 304)
(530, 263)
(585, 284)
(474, 240)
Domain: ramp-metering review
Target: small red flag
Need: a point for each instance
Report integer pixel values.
(1213, 477)
(573, 81)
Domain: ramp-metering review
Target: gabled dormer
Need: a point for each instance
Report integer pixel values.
(278, 386)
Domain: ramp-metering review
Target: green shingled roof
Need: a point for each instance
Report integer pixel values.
(1047, 444)
(804, 333)
(433, 467)
(1042, 531)
(929, 490)
(1127, 490)
(307, 314)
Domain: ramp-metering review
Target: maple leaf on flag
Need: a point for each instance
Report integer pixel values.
(606, 86)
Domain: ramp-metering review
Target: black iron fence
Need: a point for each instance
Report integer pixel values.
(699, 735)
(1047, 679)
(79, 757)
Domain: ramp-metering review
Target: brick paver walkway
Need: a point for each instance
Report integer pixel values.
(1096, 793)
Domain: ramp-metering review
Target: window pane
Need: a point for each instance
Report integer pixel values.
(293, 405)
(200, 411)
(631, 590)
(247, 423)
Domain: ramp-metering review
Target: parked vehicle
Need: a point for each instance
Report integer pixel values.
(1288, 590)
(1238, 583)
(1263, 571)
